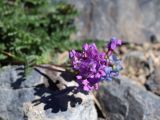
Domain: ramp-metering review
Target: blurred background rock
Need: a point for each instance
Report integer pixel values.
(131, 20)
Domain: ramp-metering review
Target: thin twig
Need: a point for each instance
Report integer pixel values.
(7, 54)
(64, 66)
(50, 68)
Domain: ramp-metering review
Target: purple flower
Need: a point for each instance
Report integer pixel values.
(116, 63)
(92, 66)
(113, 44)
(113, 69)
(87, 87)
(109, 74)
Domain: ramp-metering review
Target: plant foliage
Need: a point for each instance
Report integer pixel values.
(32, 30)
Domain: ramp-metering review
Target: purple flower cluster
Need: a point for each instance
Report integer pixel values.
(113, 44)
(92, 66)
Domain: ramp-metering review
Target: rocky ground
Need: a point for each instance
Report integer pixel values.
(142, 64)
(46, 95)
(135, 95)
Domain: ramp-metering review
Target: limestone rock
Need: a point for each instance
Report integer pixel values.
(131, 20)
(122, 99)
(29, 98)
(136, 64)
(153, 81)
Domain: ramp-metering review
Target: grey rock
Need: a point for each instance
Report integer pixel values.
(14, 77)
(11, 103)
(138, 61)
(7, 76)
(31, 99)
(134, 59)
(131, 20)
(153, 81)
(101, 119)
(123, 99)
(77, 113)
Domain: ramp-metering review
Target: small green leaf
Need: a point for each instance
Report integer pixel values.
(2, 57)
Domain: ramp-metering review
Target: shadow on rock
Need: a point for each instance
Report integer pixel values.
(21, 75)
(68, 76)
(55, 99)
